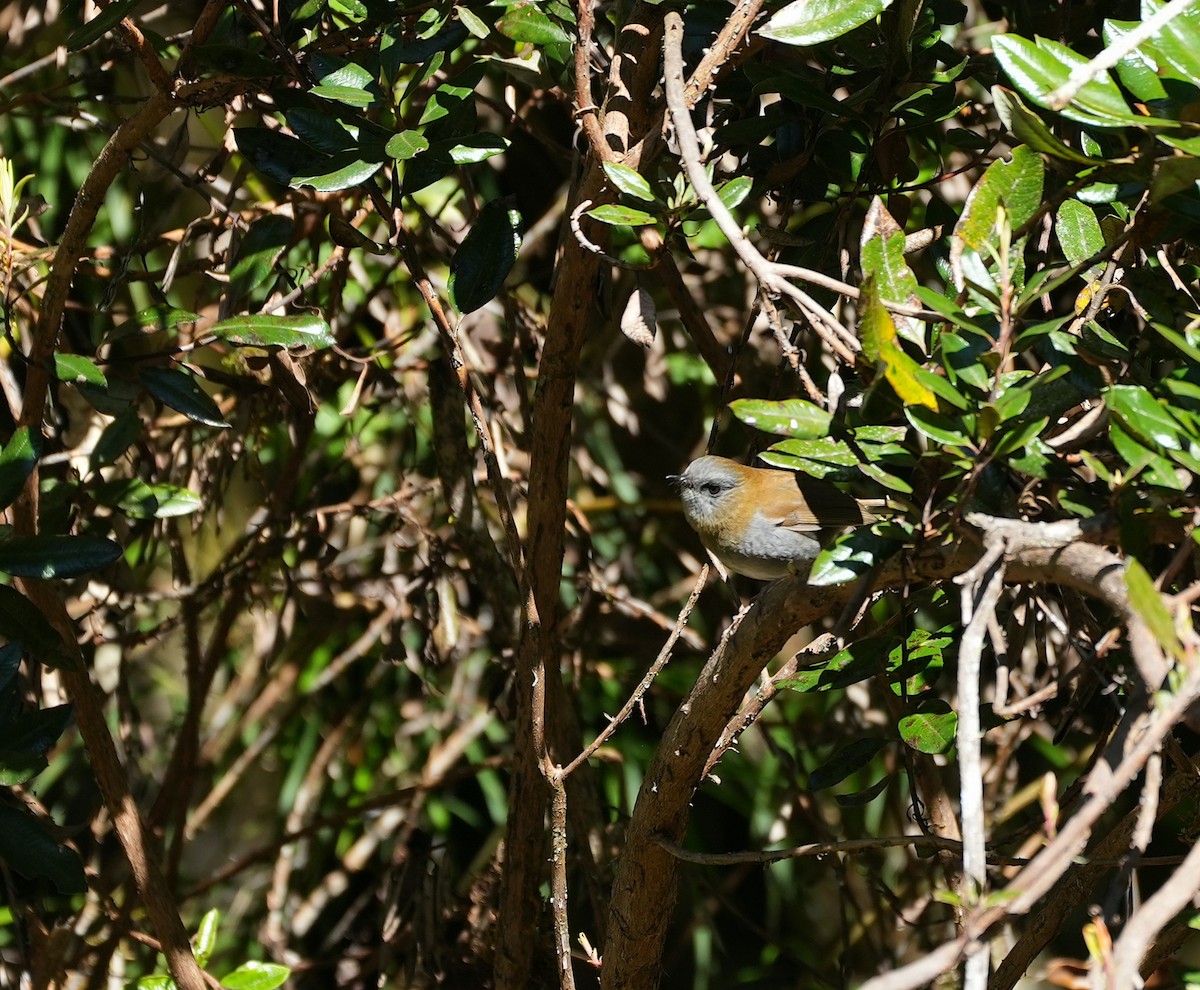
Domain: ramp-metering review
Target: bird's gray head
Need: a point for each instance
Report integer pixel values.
(706, 487)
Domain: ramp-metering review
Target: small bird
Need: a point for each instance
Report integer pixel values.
(762, 522)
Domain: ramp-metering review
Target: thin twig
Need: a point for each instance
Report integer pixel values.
(655, 668)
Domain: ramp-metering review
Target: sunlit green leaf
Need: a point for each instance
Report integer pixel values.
(811, 22)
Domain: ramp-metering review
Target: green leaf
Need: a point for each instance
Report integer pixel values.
(526, 22)
(77, 370)
(824, 449)
(1015, 185)
(796, 418)
(1038, 69)
(1078, 232)
(882, 260)
(258, 252)
(1029, 129)
(56, 556)
(472, 22)
(337, 173)
(734, 192)
(1143, 416)
(1137, 72)
(17, 461)
(614, 213)
(407, 144)
(1146, 601)
(344, 94)
(264, 330)
(485, 257)
(138, 500)
(179, 391)
(864, 797)
(21, 621)
(117, 438)
(394, 51)
(849, 557)
(811, 22)
(27, 846)
(256, 976)
(102, 23)
(205, 939)
(931, 729)
(1177, 44)
(476, 148)
(938, 428)
(629, 181)
(848, 760)
(295, 163)
(153, 319)
(35, 732)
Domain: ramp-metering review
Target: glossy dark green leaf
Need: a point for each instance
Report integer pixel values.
(485, 257)
(179, 390)
(136, 499)
(849, 557)
(153, 319)
(734, 192)
(319, 129)
(1144, 416)
(1137, 73)
(796, 418)
(1039, 68)
(614, 213)
(811, 22)
(34, 732)
(864, 797)
(28, 848)
(396, 51)
(476, 148)
(21, 621)
(56, 556)
(117, 437)
(264, 330)
(526, 22)
(278, 156)
(938, 428)
(847, 760)
(76, 369)
(629, 181)
(17, 462)
(1177, 43)
(1029, 129)
(344, 94)
(258, 252)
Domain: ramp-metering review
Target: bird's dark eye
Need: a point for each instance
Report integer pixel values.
(712, 488)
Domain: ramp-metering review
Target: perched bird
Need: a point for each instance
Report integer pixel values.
(762, 522)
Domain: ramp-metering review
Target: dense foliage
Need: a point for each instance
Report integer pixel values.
(348, 345)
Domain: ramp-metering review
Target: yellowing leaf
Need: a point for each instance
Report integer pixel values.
(880, 344)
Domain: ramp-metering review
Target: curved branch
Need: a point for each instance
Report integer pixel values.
(1046, 552)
